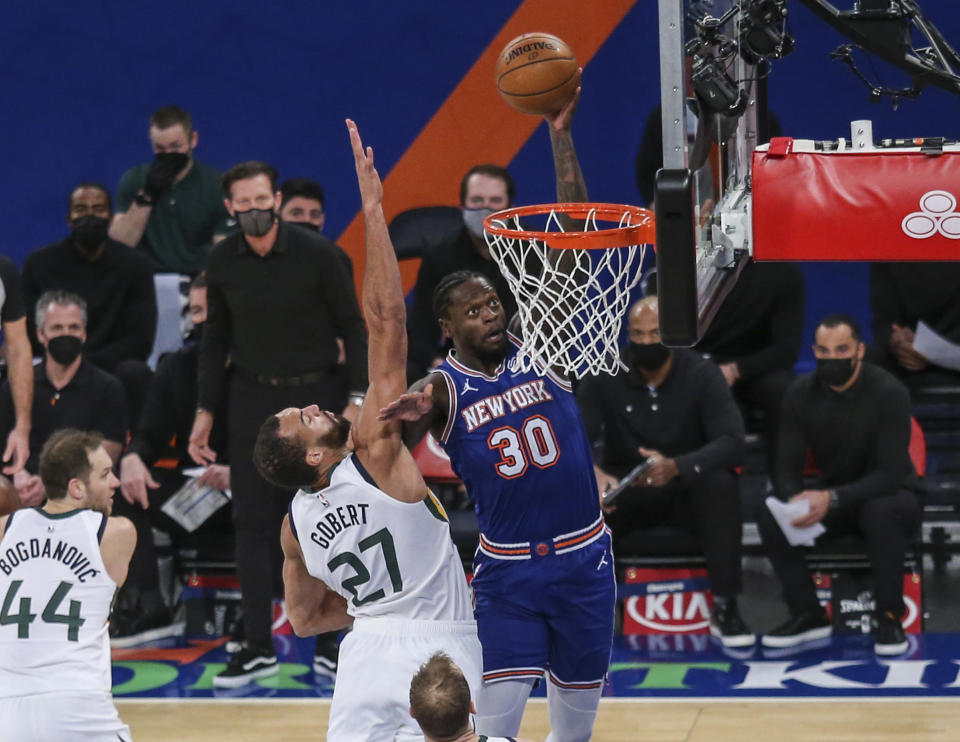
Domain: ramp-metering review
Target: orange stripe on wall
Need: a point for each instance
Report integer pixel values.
(474, 124)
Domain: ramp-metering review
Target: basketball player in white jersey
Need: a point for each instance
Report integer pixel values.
(60, 566)
(440, 702)
(364, 538)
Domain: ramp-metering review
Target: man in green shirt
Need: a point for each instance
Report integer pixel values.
(172, 208)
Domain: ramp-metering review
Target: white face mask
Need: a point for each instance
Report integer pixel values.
(473, 218)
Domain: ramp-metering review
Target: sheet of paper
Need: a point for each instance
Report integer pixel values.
(787, 512)
(936, 348)
(193, 503)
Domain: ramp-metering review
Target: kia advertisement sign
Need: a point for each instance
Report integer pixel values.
(666, 601)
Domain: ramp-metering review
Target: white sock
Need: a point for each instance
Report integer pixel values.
(572, 713)
(500, 706)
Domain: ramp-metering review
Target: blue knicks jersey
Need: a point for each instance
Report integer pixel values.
(519, 445)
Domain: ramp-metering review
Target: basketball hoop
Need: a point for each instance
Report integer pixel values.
(572, 287)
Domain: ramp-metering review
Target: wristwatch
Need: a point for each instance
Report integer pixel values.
(141, 200)
(356, 398)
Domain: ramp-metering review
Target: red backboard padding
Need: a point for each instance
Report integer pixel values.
(855, 206)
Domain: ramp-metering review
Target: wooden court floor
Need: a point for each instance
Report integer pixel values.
(619, 720)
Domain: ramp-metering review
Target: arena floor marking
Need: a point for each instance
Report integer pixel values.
(655, 668)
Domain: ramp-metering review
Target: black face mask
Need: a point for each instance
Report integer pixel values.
(256, 222)
(648, 356)
(65, 349)
(835, 371)
(172, 162)
(88, 232)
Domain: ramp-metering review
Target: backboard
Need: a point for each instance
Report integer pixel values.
(714, 56)
(712, 101)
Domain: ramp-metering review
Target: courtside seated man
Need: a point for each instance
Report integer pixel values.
(544, 586)
(60, 566)
(440, 702)
(364, 538)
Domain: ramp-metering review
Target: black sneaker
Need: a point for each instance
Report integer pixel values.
(727, 625)
(129, 628)
(326, 654)
(235, 642)
(252, 661)
(888, 636)
(803, 627)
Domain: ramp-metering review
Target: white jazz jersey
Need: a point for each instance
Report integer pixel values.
(386, 557)
(55, 597)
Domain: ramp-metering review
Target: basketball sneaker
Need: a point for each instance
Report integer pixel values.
(727, 625)
(803, 627)
(251, 662)
(888, 636)
(326, 654)
(128, 629)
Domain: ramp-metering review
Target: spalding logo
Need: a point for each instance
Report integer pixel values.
(533, 46)
(674, 612)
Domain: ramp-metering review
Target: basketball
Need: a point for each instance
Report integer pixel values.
(537, 73)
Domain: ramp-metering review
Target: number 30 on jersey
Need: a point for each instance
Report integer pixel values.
(534, 443)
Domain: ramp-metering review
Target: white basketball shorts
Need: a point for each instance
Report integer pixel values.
(64, 717)
(378, 659)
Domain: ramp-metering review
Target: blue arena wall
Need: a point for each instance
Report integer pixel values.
(275, 81)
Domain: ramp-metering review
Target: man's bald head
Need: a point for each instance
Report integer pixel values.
(648, 306)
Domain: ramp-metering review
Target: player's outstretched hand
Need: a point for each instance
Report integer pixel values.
(371, 189)
(562, 120)
(408, 407)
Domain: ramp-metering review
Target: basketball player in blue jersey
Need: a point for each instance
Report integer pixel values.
(365, 540)
(543, 583)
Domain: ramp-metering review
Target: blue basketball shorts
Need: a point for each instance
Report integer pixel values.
(550, 613)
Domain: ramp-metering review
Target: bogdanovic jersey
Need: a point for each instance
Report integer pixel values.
(386, 557)
(55, 597)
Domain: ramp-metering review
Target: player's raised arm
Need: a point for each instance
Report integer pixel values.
(383, 306)
(571, 187)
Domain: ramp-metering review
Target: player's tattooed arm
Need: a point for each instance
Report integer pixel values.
(571, 186)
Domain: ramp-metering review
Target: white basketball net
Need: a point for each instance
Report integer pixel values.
(571, 301)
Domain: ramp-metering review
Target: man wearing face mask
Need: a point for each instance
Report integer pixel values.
(483, 190)
(278, 297)
(115, 282)
(303, 205)
(69, 391)
(854, 420)
(673, 409)
(172, 208)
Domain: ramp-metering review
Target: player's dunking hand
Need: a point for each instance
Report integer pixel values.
(562, 120)
(409, 407)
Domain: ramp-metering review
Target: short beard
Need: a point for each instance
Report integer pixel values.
(337, 438)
